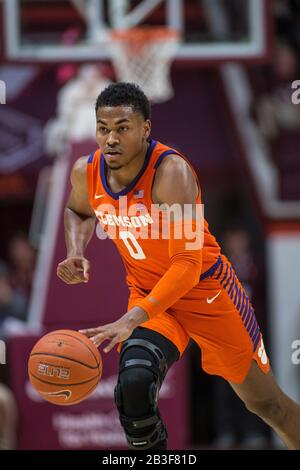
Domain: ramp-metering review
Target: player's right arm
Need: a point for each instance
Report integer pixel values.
(79, 223)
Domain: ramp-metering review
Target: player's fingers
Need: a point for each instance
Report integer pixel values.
(82, 267)
(72, 276)
(99, 338)
(73, 272)
(86, 269)
(110, 346)
(62, 271)
(70, 266)
(65, 276)
(80, 275)
(89, 331)
(68, 279)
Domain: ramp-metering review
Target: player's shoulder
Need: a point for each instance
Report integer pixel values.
(81, 163)
(174, 166)
(174, 180)
(78, 173)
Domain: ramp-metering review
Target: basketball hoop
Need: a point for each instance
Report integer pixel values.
(143, 56)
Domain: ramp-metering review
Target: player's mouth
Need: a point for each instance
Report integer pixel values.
(112, 154)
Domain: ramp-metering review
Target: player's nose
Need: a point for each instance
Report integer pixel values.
(112, 139)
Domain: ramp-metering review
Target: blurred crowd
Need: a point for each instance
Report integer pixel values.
(276, 113)
(275, 109)
(16, 275)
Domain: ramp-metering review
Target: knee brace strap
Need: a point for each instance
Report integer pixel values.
(159, 367)
(150, 437)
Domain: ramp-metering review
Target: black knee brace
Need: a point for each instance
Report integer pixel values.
(142, 370)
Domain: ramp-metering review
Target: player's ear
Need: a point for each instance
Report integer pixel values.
(147, 129)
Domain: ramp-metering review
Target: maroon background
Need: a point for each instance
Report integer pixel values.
(92, 424)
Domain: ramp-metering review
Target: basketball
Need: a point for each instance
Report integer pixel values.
(64, 367)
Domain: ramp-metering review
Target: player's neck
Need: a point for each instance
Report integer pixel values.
(121, 178)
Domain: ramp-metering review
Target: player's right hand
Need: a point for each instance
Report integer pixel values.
(74, 270)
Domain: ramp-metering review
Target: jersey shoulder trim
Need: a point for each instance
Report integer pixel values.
(163, 155)
(90, 159)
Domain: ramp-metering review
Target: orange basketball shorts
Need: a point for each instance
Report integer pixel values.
(218, 315)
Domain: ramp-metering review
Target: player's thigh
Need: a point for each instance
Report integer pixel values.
(167, 347)
(222, 321)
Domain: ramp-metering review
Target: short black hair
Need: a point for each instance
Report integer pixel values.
(125, 94)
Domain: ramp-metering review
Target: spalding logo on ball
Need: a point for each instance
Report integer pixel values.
(64, 367)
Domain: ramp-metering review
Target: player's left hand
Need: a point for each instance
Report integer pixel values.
(115, 332)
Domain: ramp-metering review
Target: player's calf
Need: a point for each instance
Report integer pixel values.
(271, 410)
(262, 396)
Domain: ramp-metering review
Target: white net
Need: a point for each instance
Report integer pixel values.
(143, 56)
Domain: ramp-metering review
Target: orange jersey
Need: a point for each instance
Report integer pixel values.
(132, 222)
(217, 313)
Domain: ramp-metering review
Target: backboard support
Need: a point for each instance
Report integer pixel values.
(212, 30)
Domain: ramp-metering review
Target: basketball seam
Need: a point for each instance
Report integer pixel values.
(79, 399)
(63, 357)
(63, 384)
(82, 342)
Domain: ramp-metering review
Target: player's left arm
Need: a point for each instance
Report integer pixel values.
(176, 188)
(175, 184)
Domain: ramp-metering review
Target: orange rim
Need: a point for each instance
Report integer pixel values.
(145, 34)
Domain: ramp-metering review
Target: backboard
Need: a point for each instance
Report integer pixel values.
(78, 30)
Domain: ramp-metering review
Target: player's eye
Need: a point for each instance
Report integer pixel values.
(123, 129)
(103, 130)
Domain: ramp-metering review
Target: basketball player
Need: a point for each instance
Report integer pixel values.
(178, 289)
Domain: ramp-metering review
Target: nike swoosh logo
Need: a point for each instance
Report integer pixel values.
(98, 196)
(60, 393)
(210, 301)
